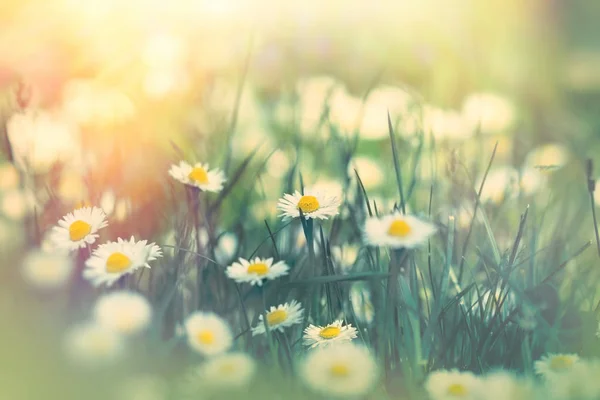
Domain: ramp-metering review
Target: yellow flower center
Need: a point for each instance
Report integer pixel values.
(78, 230)
(330, 332)
(456, 389)
(339, 370)
(258, 269)
(559, 363)
(205, 337)
(276, 317)
(308, 204)
(399, 228)
(117, 262)
(198, 175)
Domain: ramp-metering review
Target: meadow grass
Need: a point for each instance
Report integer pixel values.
(500, 284)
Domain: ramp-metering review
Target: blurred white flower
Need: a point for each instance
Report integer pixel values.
(551, 365)
(108, 201)
(207, 333)
(500, 184)
(579, 382)
(47, 270)
(445, 124)
(39, 139)
(314, 94)
(127, 313)
(370, 171)
(92, 345)
(9, 176)
(344, 111)
(374, 122)
(345, 256)
(278, 164)
(280, 317)
(256, 270)
(453, 385)
(334, 333)
(16, 203)
(226, 248)
(503, 385)
(226, 371)
(532, 181)
(547, 157)
(345, 369)
(489, 113)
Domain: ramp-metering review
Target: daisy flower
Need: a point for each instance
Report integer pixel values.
(507, 386)
(552, 364)
(282, 316)
(47, 270)
(345, 369)
(452, 385)
(314, 204)
(230, 370)
(112, 260)
(397, 230)
(92, 344)
(207, 333)
(579, 382)
(78, 229)
(254, 271)
(198, 175)
(333, 333)
(125, 312)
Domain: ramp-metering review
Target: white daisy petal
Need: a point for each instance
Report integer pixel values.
(345, 369)
(207, 333)
(280, 317)
(78, 229)
(333, 333)
(397, 230)
(112, 260)
(256, 270)
(198, 175)
(551, 365)
(314, 204)
(227, 371)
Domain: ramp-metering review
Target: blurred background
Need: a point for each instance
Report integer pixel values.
(99, 97)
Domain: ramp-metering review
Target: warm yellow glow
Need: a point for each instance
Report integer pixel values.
(117, 262)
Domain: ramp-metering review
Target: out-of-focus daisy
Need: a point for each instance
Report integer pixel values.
(198, 175)
(256, 270)
(445, 124)
(501, 183)
(280, 317)
(370, 171)
(127, 313)
(207, 333)
(144, 387)
(452, 385)
(17, 203)
(488, 112)
(92, 344)
(112, 260)
(397, 230)
(579, 382)
(9, 176)
(341, 370)
(230, 370)
(47, 270)
(507, 386)
(555, 364)
(78, 229)
(333, 333)
(312, 203)
(226, 248)
(548, 157)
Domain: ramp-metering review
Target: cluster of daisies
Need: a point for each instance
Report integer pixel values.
(335, 365)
